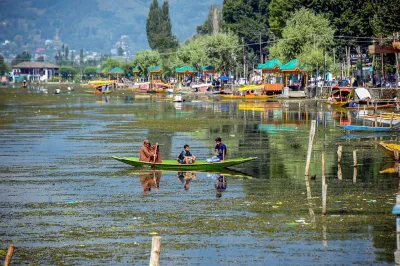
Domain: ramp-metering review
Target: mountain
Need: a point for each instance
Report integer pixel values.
(92, 25)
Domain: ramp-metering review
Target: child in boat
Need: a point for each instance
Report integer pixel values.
(220, 150)
(186, 157)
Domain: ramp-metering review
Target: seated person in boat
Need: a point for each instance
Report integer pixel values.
(150, 153)
(220, 150)
(186, 157)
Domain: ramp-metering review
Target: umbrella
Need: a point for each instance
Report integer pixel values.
(223, 78)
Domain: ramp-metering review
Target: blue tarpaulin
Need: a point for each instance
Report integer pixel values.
(223, 78)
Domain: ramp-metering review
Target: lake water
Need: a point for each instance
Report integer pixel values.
(65, 201)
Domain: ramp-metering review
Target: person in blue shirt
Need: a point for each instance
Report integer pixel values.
(220, 150)
(186, 157)
(220, 185)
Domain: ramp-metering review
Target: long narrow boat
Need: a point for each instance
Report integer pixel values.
(372, 107)
(247, 96)
(97, 92)
(174, 165)
(367, 128)
(390, 149)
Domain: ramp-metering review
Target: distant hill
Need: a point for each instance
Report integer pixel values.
(93, 25)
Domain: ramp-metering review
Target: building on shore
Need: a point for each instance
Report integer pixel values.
(35, 71)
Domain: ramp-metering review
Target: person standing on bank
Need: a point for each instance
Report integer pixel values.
(220, 150)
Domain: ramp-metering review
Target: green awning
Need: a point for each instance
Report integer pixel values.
(185, 69)
(155, 69)
(293, 65)
(207, 68)
(271, 64)
(116, 70)
(135, 70)
(100, 71)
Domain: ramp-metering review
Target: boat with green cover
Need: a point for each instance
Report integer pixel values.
(201, 165)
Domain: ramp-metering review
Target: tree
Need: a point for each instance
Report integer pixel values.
(248, 19)
(159, 28)
(110, 64)
(4, 67)
(305, 37)
(66, 53)
(72, 58)
(67, 72)
(146, 59)
(120, 51)
(219, 50)
(212, 25)
(81, 57)
(23, 57)
(40, 58)
(89, 72)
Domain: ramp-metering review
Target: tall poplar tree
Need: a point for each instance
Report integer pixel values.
(159, 28)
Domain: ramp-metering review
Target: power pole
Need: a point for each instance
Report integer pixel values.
(244, 60)
(261, 56)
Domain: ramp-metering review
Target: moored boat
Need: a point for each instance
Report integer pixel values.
(97, 92)
(201, 165)
(390, 149)
(367, 128)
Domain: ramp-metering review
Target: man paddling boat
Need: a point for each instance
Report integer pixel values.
(150, 153)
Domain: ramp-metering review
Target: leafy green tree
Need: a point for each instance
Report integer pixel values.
(110, 64)
(66, 53)
(385, 19)
(4, 67)
(213, 21)
(127, 67)
(193, 53)
(248, 19)
(23, 57)
(159, 28)
(40, 58)
(146, 59)
(120, 51)
(89, 71)
(67, 72)
(305, 37)
(81, 57)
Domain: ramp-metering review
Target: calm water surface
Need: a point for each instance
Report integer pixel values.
(65, 201)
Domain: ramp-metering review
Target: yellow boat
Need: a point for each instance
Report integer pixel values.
(100, 82)
(340, 96)
(390, 149)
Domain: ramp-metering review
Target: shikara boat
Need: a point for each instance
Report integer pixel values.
(97, 92)
(390, 149)
(372, 107)
(367, 128)
(340, 96)
(249, 92)
(201, 165)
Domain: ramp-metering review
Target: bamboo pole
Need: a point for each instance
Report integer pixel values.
(339, 153)
(339, 172)
(355, 166)
(155, 251)
(391, 120)
(10, 253)
(324, 185)
(310, 143)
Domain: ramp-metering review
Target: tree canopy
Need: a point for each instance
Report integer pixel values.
(305, 36)
(146, 59)
(159, 28)
(213, 21)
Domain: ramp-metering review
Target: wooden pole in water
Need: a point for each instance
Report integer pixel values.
(339, 172)
(310, 143)
(355, 166)
(324, 185)
(339, 153)
(10, 253)
(375, 114)
(155, 251)
(391, 120)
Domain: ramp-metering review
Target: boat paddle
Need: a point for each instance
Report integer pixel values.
(155, 154)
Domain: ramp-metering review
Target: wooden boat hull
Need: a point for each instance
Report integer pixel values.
(230, 96)
(366, 128)
(98, 92)
(371, 107)
(200, 165)
(390, 148)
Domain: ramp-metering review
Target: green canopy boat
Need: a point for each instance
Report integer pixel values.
(201, 165)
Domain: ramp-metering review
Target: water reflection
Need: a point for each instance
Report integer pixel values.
(150, 179)
(220, 185)
(186, 178)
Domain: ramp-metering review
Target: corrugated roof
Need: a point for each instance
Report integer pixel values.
(185, 69)
(155, 69)
(35, 65)
(116, 70)
(271, 64)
